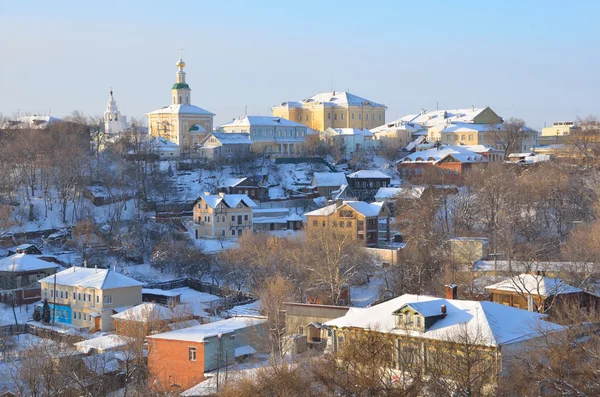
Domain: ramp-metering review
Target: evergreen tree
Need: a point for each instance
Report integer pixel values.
(46, 312)
(37, 314)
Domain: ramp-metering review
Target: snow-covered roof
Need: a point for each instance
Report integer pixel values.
(432, 118)
(333, 99)
(163, 143)
(398, 125)
(520, 155)
(349, 131)
(231, 182)
(371, 174)
(146, 312)
(204, 331)
(103, 343)
(366, 209)
(34, 121)
(92, 278)
(232, 138)
(231, 200)
(435, 155)
(385, 193)
(250, 121)
(182, 109)
(25, 263)
(325, 211)
(490, 324)
(329, 179)
(531, 284)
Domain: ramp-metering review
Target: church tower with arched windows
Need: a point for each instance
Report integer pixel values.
(181, 90)
(114, 121)
(181, 122)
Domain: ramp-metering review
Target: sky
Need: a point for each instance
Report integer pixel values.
(536, 60)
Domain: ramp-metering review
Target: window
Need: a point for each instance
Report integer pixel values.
(232, 218)
(192, 353)
(245, 217)
(329, 116)
(84, 316)
(315, 222)
(367, 116)
(79, 295)
(323, 223)
(360, 116)
(89, 297)
(379, 117)
(107, 298)
(97, 299)
(74, 296)
(352, 116)
(233, 232)
(61, 294)
(342, 116)
(348, 223)
(342, 224)
(335, 116)
(223, 232)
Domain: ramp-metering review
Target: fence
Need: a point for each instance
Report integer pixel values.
(228, 297)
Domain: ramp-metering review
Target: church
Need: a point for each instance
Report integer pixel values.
(181, 122)
(114, 121)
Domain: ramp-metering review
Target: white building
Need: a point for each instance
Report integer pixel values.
(352, 139)
(114, 121)
(88, 297)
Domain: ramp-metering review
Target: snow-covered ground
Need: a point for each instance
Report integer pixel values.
(364, 295)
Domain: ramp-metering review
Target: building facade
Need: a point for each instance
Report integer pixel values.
(271, 135)
(327, 183)
(451, 161)
(225, 148)
(333, 110)
(88, 297)
(222, 215)
(358, 218)
(19, 275)
(178, 359)
(181, 122)
(351, 139)
(365, 183)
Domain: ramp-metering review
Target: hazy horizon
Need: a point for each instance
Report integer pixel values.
(534, 61)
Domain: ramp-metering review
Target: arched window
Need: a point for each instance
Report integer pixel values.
(116, 117)
(180, 99)
(187, 100)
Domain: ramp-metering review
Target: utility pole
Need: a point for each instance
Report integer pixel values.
(54, 303)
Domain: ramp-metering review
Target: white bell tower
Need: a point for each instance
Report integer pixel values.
(114, 122)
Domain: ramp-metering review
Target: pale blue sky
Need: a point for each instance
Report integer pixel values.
(537, 60)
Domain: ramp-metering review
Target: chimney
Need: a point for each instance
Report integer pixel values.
(221, 194)
(451, 291)
(443, 310)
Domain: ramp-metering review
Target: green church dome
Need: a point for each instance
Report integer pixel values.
(177, 86)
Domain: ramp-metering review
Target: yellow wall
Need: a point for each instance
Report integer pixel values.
(321, 117)
(221, 218)
(175, 127)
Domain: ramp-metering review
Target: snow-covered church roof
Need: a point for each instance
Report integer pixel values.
(182, 109)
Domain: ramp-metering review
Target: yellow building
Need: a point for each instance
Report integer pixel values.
(181, 122)
(222, 215)
(359, 218)
(88, 297)
(558, 133)
(271, 135)
(333, 110)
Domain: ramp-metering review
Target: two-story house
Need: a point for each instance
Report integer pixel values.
(222, 215)
(87, 297)
(359, 218)
(247, 186)
(365, 183)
